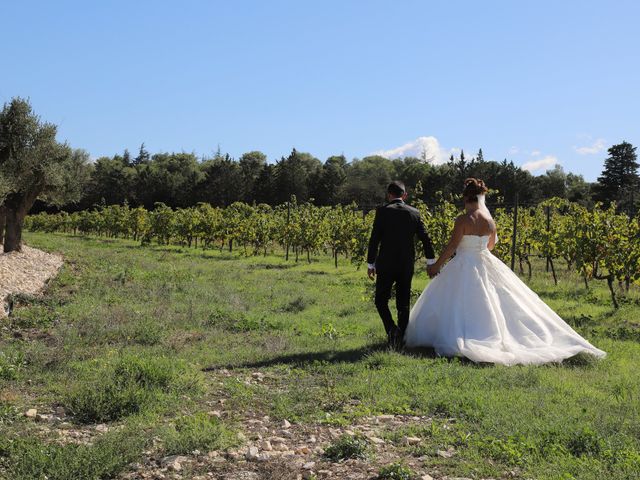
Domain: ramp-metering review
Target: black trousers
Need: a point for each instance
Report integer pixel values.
(384, 282)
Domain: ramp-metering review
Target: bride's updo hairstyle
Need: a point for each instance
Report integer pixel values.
(472, 188)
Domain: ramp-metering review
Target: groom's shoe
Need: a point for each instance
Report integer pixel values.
(395, 339)
(391, 336)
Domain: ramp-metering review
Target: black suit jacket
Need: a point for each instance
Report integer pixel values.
(391, 246)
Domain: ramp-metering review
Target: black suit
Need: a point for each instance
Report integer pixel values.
(392, 250)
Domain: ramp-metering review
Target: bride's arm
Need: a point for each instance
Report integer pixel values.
(493, 238)
(456, 237)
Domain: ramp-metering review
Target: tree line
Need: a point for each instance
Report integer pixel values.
(183, 179)
(38, 173)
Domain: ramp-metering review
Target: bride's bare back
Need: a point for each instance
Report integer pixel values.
(477, 223)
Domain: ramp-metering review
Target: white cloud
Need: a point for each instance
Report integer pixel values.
(543, 164)
(598, 146)
(513, 151)
(427, 146)
(535, 153)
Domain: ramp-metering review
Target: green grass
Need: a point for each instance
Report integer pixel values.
(130, 334)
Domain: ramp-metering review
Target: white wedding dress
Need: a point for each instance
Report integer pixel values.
(479, 309)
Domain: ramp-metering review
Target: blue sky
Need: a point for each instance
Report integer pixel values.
(536, 82)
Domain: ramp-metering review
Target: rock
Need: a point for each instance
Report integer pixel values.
(309, 465)
(385, 418)
(102, 428)
(252, 453)
(448, 453)
(351, 433)
(40, 417)
(31, 413)
(173, 462)
(325, 473)
(303, 451)
(286, 424)
(232, 455)
(376, 440)
(60, 411)
(426, 477)
(312, 439)
(412, 440)
(242, 476)
(281, 447)
(215, 413)
(266, 446)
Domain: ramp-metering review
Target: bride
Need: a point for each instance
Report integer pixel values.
(479, 309)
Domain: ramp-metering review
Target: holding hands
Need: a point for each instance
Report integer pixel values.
(432, 270)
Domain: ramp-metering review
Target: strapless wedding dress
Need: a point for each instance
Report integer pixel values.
(479, 309)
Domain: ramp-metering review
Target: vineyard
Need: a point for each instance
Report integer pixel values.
(599, 244)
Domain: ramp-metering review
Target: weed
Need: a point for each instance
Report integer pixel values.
(28, 458)
(395, 471)
(128, 387)
(347, 446)
(197, 432)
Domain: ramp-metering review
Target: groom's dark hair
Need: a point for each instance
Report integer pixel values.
(396, 188)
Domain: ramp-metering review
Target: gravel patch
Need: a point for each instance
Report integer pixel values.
(25, 272)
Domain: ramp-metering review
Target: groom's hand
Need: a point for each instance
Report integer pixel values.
(371, 272)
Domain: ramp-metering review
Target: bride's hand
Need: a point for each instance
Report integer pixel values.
(432, 271)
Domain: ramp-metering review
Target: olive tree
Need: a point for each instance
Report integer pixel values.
(33, 165)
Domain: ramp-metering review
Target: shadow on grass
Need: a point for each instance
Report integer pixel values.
(301, 359)
(345, 356)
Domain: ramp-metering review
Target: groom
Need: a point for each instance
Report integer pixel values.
(394, 228)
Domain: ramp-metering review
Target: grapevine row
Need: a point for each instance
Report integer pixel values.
(598, 244)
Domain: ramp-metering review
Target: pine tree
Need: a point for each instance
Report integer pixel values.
(620, 174)
(126, 157)
(143, 156)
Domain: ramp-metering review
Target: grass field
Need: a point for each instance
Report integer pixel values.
(139, 353)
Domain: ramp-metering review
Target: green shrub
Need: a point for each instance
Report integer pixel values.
(10, 365)
(585, 442)
(347, 446)
(30, 458)
(197, 432)
(396, 471)
(128, 387)
(297, 305)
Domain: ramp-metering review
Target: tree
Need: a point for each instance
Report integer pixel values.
(126, 158)
(251, 164)
(293, 174)
(143, 156)
(553, 183)
(33, 165)
(222, 183)
(620, 175)
(367, 181)
(112, 182)
(328, 182)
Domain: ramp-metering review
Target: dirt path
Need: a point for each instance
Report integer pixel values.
(25, 272)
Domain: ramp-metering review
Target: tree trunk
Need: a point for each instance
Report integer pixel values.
(553, 271)
(3, 222)
(13, 232)
(612, 291)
